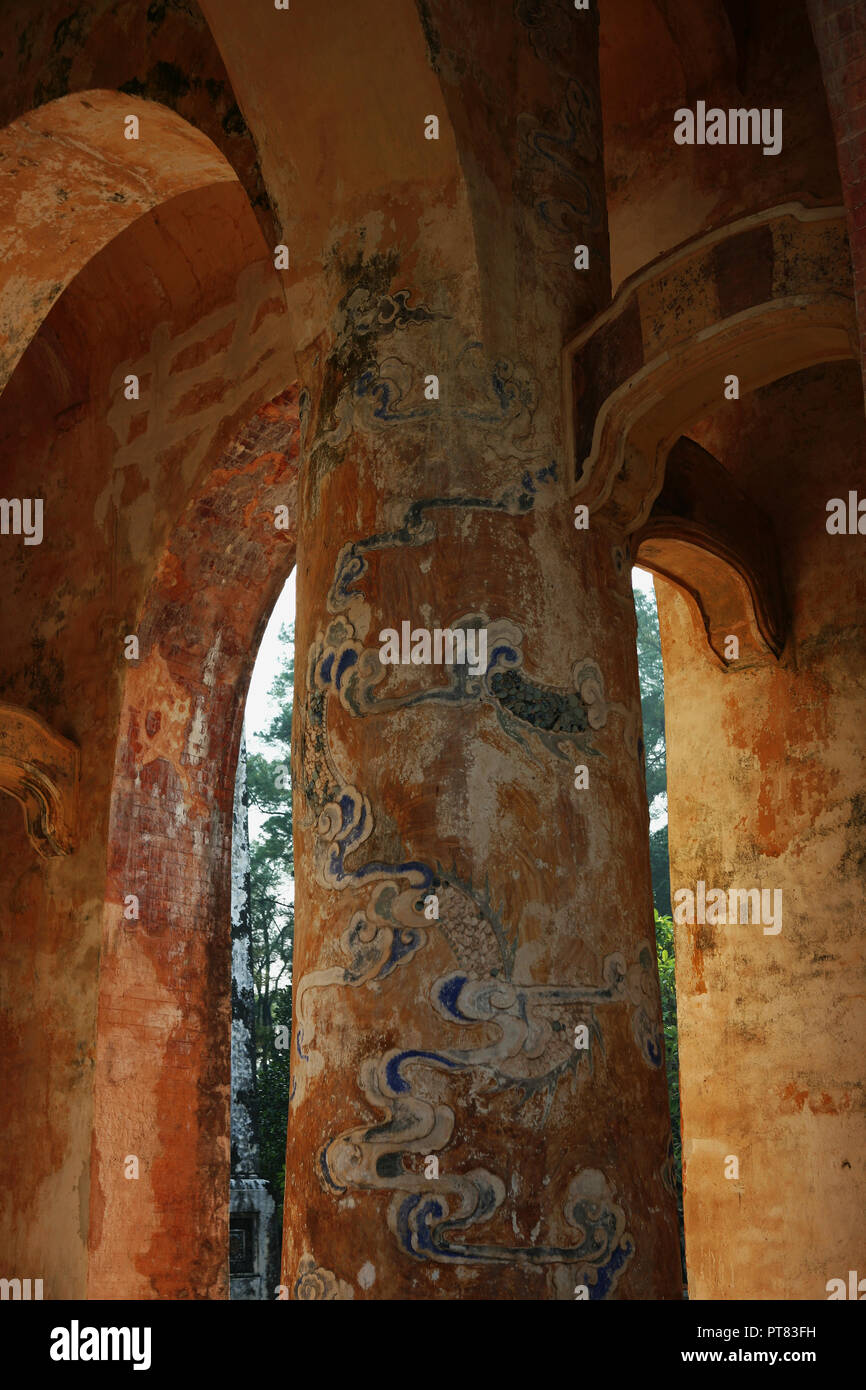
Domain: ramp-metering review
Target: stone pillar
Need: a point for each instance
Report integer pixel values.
(251, 1206)
(479, 1105)
(765, 792)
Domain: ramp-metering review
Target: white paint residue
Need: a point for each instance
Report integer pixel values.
(212, 658)
(197, 740)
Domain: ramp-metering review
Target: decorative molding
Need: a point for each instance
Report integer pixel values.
(763, 297)
(708, 537)
(40, 768)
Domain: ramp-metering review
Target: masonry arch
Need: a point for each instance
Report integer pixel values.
(706, 535)
(408, 257)
(170, 845)
(74, 182)
(725, 501)
(192, 462)
(160, 53)
(760, 299)
(173, 283)
(113, 270)
(764, 759)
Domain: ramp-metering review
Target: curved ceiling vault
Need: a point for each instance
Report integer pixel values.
(72, 182)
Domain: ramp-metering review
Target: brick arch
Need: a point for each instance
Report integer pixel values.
(708, 537)
(73, 183)
(175, 283)
(153, 50)
(165, 982)
(761, 298)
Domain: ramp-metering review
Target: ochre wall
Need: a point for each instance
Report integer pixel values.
(661, 193)
(766, 789)
(115, 1035)
(185, 300)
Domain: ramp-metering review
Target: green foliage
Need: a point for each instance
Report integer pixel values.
(272, 918)
(661, 870)
(653, 711)
(652, 693)
(269, 779)
(652, 700)
(273, 1082)
(667, 980)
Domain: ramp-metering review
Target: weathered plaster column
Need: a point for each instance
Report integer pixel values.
(479, 1103)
